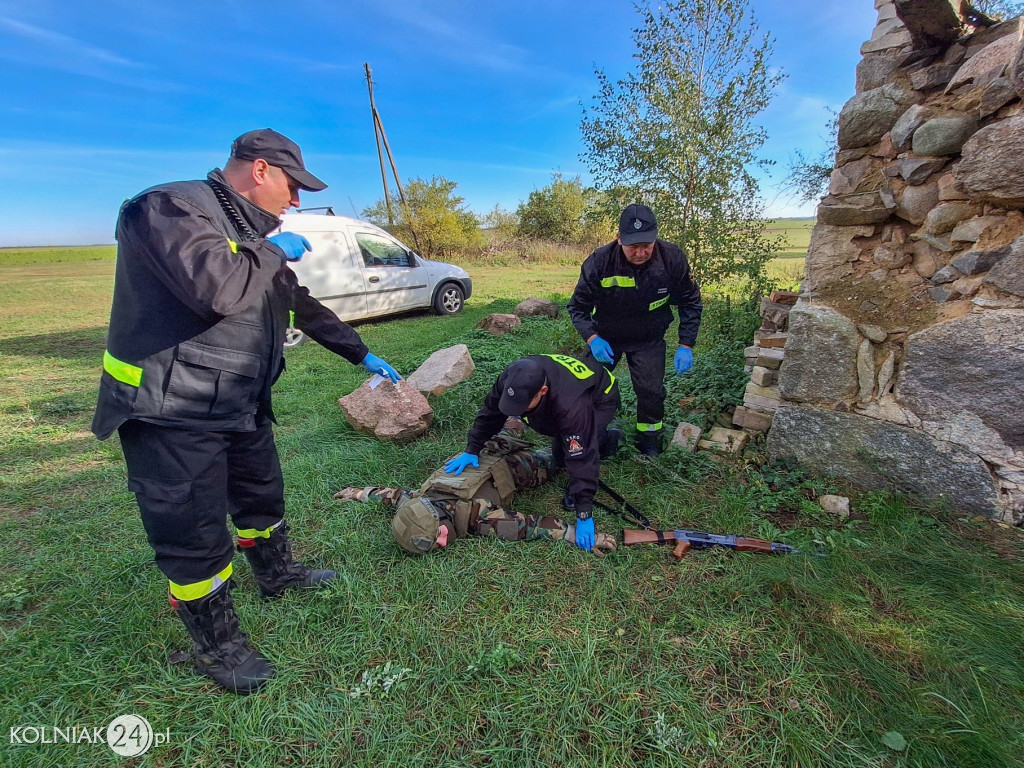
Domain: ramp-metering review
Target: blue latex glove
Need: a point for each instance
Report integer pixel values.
(601, 350)
(683, 361)
(292, 244)
(460, 462)
(374, 364)
(585, 533)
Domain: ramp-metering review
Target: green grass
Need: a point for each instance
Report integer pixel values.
(504, 654)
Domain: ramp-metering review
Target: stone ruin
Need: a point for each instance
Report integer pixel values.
(903, 365)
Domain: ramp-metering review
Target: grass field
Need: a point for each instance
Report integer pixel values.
(904, 646)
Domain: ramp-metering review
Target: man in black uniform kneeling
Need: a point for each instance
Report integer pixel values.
(563, 398)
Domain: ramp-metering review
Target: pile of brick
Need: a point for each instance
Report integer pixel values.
(763, 361)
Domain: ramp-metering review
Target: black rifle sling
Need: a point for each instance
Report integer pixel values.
(631, 513)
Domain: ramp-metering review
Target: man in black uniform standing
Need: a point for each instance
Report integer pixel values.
(201, 302)
(563, 398)
(621, 307)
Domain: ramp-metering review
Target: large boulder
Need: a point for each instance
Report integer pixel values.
(443, 370)
(866, 117)
(876, 455)
(944, 135)
(396, 412)
(533, 307)
(992, 166)
(969, 365)
(1008, 274)
(821, 356)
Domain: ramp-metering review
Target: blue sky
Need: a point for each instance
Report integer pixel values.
(101, 100)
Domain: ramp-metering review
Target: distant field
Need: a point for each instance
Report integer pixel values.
(797, 233)
(57, 253)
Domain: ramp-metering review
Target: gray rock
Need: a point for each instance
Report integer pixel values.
(970, 231)
(915, 170)
(831, 253)
(851, 215)
(868, 116)
(847, 178)
(534, 307)
(909, 122)
(976, 262)
(874, 70)
(885, 374)
(821, 356)
(499, 324)
(917, 202)
(898, 39)
(687, 436)
(876, 455)
(969, 366)
(770, 358)
(939, 242)
(941, 136)
(1015, 72)
(945, 216)
(935, 76)
(865, 370)
(443, 370)
(997, 95)
(873, 332)
(946, 275)
(941, 294)
(775, 312)
(990, 62)
(395, 412)
(992, 166)
(835, 505)
(1008, 274)
(929, 22)
(925, 262)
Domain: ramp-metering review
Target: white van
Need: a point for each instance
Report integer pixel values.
(358, 270)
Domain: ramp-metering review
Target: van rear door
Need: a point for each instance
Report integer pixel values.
(333, 276)
(393, 278)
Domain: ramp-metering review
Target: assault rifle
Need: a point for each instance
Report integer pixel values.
(684, 540)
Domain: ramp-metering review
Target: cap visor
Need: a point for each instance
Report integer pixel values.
(305, 179)
(632, 238)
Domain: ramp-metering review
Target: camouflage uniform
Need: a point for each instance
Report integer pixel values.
(484, 514)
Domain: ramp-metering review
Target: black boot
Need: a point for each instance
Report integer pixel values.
(222, 651)
(272, 564)
(569, 502)
(647, 443)
(609, 441)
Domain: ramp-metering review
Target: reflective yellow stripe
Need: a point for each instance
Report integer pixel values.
(620, 281)
(129, 374)
(610, 385)
(658, 303)
(579, 370)
(252, 533)
(649, 427)
(291, 318)
(200, 588)
(232, 245)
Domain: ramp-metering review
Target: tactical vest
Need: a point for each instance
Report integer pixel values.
(492, 481)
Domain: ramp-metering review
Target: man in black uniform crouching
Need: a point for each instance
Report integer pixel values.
(621, 305)
(563, 398)
(201, 303)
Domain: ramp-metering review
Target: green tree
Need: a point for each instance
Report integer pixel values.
(679, 133)
(442, 223)
(564, 212)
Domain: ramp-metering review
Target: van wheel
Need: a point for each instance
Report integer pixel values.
(449, 299)
(293, 337)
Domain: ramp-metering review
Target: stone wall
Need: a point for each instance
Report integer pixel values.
(904, 362)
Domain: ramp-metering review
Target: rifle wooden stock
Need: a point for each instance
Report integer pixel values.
(656, 537)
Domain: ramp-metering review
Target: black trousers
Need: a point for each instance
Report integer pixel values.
(188, 482)
(646, 362)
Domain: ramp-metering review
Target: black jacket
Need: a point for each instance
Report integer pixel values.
(568, 411)
(201, 303)
(623, 303)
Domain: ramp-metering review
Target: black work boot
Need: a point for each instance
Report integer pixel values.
(647, 443)
(569, 502)
(272, 564)
(609, 441)
(222, 650)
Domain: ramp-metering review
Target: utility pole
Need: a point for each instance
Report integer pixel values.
(379, 135)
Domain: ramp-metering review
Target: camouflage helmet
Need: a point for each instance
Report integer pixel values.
(416, 525)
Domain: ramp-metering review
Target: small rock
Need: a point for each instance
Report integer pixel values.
(976, 262)
(942, 136)
(945, 275)
(911, 120)
(873, 332)
(945, 216)
(835, 505)
(499, 324)
(443, 370)
(534, 307)
(763, 377)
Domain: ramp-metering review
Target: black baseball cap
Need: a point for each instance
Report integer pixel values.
(521, 381)
(637, 225)
(277, 150)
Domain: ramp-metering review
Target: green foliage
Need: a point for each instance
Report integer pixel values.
(679, 134)
(436, 219)
(564, 212)
(809, 176)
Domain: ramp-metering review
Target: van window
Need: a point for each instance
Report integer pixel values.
(378, 251)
